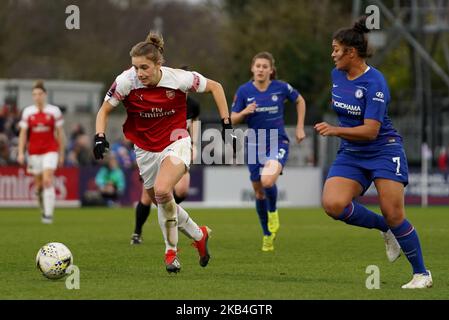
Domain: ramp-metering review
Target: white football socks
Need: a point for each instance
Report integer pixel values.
(49, 198)
(171, 217)
(168, 221)
(188, 226)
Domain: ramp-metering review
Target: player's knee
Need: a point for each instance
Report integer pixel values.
(170, 210)
(145, 198)
(333, 207)
(164, 201)
(259, 194)
(267, 182)
(163, 194)
(146, 201)
(394, 215)
(47, 183)
(394, 221)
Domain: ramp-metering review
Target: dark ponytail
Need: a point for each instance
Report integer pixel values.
(360, 25)
(355, 37)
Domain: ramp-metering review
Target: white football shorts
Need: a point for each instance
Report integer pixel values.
(150, 162)
(38, 163)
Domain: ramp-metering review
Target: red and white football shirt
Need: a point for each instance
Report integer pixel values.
(41, 126)
(157, 115)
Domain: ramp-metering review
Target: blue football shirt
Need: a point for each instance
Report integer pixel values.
(269, 113)
(366, 97)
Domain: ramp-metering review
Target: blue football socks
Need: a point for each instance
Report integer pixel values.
(261, 208)
(272, 196)
(408, 240)
(357, 215)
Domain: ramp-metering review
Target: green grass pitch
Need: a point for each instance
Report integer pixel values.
(315, 257)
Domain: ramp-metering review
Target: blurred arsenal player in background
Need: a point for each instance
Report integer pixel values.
(41, 125)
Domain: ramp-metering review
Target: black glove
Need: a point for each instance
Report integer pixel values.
(101, 145)
(228, 131)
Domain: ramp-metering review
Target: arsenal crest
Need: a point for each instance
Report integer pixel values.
(170, 94)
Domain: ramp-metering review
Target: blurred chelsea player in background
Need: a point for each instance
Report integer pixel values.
(260, 102)
(370, 150)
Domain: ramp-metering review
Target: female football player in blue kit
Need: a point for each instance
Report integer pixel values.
(370, 150)
(260, 102)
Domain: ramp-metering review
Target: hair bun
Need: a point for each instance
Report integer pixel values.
(360, 25)
(39, 84)
(156, 39)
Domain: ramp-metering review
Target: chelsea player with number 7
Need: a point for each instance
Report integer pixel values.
(370, 150)
(260, 102)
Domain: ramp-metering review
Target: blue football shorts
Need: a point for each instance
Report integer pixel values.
(366, 166)
(256, 157)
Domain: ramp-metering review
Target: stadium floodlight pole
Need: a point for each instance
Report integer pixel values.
(421, 55)
(356, 8)
(424, 144)
(424, 175)
(419, 98)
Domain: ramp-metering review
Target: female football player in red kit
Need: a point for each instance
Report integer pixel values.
(42, 124)
(154, 97)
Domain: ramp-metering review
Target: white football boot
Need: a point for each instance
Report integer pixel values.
(419, 281)
(392, 246)
(46, 220)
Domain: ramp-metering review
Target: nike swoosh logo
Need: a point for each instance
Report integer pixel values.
(250, 99)
(334, 85)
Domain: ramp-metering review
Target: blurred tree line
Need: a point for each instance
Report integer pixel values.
(35, 42)
(297, 32)
(217, 38)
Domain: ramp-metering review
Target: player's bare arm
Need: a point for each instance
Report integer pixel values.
(238, 117)
(194, 134)
(368, 131)
(219, 96)
(301, 110)
(102, 117)
(60, 137)
(22, 142)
